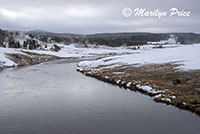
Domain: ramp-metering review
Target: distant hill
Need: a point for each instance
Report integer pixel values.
(110, 39)
(117, 39)
(38, 32)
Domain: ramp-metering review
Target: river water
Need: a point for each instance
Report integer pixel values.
(53, 98)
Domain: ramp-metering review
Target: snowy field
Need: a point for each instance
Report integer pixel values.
(73, 50)
(67, 51)
(186, 55)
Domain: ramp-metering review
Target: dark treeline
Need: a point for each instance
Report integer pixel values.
(109, 39)
(3, 35)
(119, 39)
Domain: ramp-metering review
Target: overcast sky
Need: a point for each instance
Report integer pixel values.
(96, 16)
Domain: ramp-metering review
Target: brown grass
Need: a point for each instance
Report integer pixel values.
(184, 85)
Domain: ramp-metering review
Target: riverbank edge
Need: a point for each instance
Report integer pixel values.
(28, 58)
(135, 88)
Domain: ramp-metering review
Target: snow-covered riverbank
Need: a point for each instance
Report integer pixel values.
(4, 61)
(67, 51)
(186, 55)
(171, 75)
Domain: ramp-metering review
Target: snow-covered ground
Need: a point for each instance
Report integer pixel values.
(67, 51)
(186, 55)
(4, 61)
(73, 51)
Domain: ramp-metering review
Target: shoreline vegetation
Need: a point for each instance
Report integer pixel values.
(169, 75)
(28, 58)
(160, 81)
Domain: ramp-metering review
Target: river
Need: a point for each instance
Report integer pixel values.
(53, 98)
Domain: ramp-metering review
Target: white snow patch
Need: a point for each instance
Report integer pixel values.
(118, 73)
(186, 55)
(128, 84)
(147, 89)
(174, 97)
(106, 77)
(118, 81)
(166, 99)
(157, 96)
(4, 61)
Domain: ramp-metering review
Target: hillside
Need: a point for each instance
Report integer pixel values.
(108, 39)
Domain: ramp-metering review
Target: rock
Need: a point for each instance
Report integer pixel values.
(176, 81)
(55, 48)
(195, 102)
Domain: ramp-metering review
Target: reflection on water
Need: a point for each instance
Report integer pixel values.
(52, 98)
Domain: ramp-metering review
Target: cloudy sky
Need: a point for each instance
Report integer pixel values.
(95, 16)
